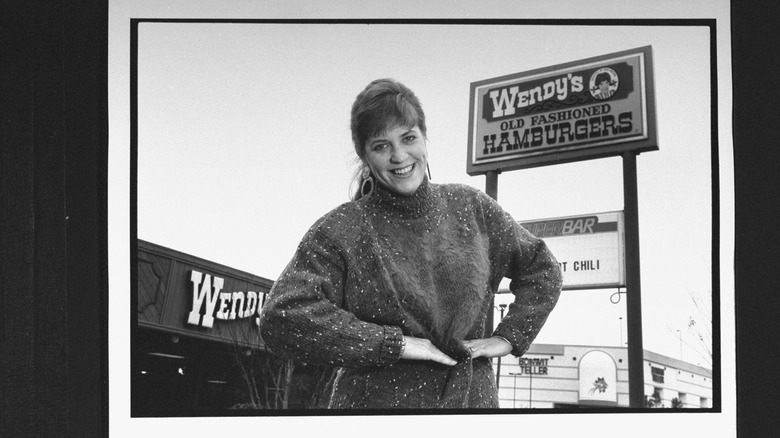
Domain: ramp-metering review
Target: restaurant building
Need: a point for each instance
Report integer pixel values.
(575, 376)
(196, 347)
(196, 350)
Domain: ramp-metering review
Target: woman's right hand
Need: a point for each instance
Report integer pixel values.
(423, 349)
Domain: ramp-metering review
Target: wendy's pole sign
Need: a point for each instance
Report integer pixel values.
(593, 108)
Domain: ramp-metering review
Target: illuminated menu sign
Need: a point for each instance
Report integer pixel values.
(590, 249)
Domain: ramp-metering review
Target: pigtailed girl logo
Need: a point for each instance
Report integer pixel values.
(603, 83)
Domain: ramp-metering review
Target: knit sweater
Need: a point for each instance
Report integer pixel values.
(425, 265)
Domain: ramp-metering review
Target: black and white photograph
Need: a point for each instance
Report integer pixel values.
(405, 214)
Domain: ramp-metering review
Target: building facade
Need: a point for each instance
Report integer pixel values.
(195, 343)
(571, 376)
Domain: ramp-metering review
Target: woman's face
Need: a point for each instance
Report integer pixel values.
(398, 158)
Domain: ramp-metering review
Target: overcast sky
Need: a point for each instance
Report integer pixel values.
(244, 141)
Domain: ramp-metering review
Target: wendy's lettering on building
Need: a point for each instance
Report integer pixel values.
(210, 302)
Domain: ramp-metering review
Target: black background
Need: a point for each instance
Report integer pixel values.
(53, 263)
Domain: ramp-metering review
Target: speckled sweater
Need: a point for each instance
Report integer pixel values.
(426, 265)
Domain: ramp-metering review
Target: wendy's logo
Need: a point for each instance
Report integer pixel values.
(603, 83)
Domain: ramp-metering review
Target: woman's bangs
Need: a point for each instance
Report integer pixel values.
(403, 115)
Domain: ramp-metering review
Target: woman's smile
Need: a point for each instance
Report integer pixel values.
(406, 171)
(398, 158)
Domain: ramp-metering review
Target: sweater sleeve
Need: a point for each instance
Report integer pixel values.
(303, 317)
(534, 273)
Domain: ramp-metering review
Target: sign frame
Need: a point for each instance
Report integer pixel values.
(645, 139)
(618, 233)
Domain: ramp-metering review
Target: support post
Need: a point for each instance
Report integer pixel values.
(498, 367)
(636, 384)
(491, 184)
(491, 188)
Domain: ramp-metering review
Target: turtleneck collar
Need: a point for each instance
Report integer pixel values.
(418, 204)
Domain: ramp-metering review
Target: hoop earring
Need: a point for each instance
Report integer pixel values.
(428, 166)
(367, 186)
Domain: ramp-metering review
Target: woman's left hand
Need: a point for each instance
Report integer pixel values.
(489, 347)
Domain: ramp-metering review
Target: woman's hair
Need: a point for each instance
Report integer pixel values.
(382, 105)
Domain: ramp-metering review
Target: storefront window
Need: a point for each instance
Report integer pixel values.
(184, 376)
(175, 375)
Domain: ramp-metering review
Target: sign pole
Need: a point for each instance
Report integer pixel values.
(491, 188)
(498, 367)
(491, 184)
(636, 384)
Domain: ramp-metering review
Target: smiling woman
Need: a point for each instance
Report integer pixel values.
(393, 288)
(398, 159)
(389, 133)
